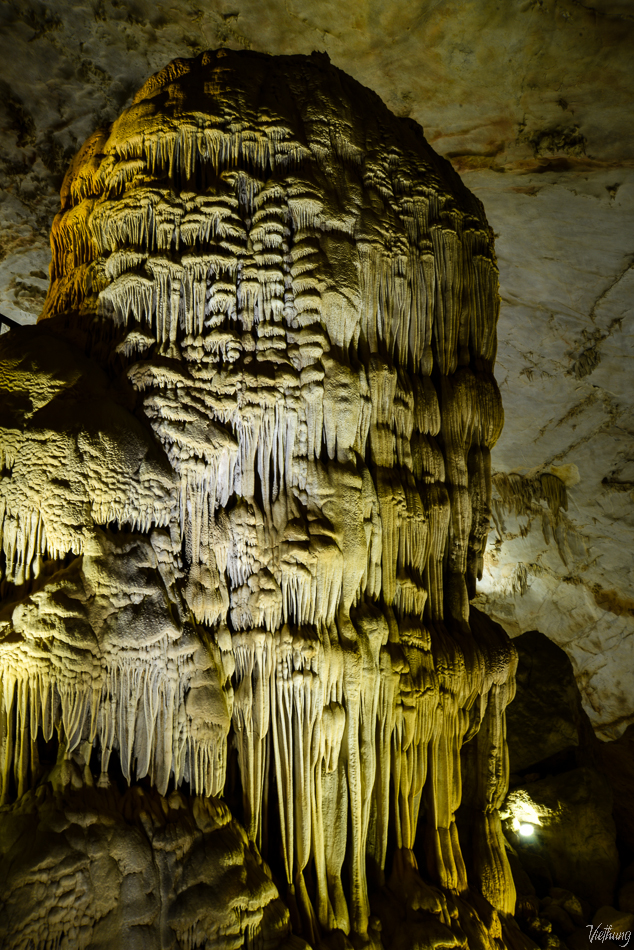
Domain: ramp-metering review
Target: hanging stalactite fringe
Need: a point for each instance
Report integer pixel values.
(302, 299)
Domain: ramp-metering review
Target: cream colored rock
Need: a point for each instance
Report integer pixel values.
(568, 574)
(297, 299)
(531, 101)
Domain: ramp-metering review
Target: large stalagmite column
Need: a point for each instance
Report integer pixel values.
(254, 529)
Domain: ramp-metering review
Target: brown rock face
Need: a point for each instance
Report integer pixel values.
(573, 845)
(618, 761)
(89, 867)
(546, 720)
(245, 526)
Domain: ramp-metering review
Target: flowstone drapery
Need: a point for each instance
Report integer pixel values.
(244, 502)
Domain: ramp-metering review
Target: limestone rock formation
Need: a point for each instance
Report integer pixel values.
(567, 815)
(245, 498)
(564, 848)
(89, 867)
(531, 100)
(617, 760)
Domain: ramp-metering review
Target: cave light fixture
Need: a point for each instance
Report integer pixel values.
(522, 815)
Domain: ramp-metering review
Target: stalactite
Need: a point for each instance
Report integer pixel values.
(149, 692)
(305, 313)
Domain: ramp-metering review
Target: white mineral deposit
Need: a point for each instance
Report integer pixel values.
(245, 499)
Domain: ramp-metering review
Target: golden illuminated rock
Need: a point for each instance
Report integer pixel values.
(246, 494)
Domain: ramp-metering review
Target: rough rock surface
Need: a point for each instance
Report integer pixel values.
(532, 103)
(618, 761)
(573, 845)
(565, 788)
(545, 718)
(249, 570)
(82, 866)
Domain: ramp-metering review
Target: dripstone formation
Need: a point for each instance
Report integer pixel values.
(244, 500)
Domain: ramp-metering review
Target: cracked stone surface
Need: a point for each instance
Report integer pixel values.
(531, 101)
(565, 369)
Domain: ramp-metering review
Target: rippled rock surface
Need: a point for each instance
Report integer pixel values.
(245, 498)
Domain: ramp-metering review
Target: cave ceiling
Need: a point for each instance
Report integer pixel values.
(532, 103)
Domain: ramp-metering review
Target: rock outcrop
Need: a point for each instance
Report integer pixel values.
(91, 867)
(531, 102)
(245, 501)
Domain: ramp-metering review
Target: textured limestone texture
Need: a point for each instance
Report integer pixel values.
(89, 867)
(245, 500)
(574, 842)
(531, 100)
